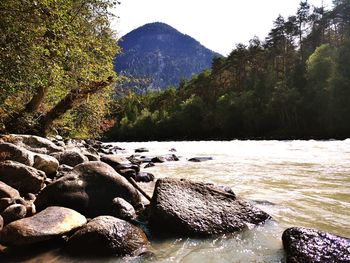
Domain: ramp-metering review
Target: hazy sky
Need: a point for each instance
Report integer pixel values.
(217, 24)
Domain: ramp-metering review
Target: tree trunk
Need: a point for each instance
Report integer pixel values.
(73, 98)
(34, 104)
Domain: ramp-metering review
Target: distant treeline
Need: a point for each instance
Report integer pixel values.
(294, 84)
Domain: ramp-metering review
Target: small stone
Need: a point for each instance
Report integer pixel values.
(123, 209)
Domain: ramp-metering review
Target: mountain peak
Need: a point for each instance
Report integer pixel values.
(162, 55)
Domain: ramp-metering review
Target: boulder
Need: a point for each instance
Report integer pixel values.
(8, 191)
(1, 223)
(164, 158)
(13, 213)
(21, 177)
(49, 223)
(71, 158)
(186, 208)
(9, 151)
(150, 164)
(46, 163)
(89, 188)
(122, 209)
(314, 246)
(143, 177)
(38, 144)
(107, 235)
(119, 163)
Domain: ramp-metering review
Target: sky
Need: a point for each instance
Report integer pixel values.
(217, 24)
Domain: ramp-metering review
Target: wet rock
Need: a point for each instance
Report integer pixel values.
(150, 164)
(1, 223)
(49, 223)
(200, 159)
(314, 246)
(187, 208)
(158, 159)
(16, 153)
(141, 150)
(71, 158)
(143, 177)
(107, 235)
(13, 212)
(89, 189)
(38, 144)
(172, 150)
(8, 191)
(122, 209)
(46, 163)
(21, 177)
(119, 163)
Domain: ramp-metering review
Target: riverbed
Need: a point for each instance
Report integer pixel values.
(299, 183)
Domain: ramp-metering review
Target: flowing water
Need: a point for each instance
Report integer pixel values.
(299, 183)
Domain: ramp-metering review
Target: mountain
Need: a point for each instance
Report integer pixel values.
(156, 55)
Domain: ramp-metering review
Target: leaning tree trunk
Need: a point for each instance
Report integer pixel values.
(34, 104)
(73, 98)
(17, 122)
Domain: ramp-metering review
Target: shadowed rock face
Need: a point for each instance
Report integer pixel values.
(49, 223)
(21, 177)
(107, 235)
(89, 189)
(313, 246)
(186, 208)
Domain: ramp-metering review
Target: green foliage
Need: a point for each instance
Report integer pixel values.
(60, 45)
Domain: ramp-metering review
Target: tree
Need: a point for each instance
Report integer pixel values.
(58, 49)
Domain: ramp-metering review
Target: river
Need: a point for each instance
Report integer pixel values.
(299, 183)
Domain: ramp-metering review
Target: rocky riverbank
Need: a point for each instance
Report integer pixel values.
(84, 193)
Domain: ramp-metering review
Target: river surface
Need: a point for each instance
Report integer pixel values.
(299, 183)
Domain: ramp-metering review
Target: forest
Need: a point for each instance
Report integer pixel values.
(295, 84)
(56, 76)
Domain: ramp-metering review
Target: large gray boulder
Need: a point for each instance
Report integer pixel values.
(49, 223)
(70, 157)
(9, 151)
(8, 191)
(89, 188)
(314, 246)
(21, 177)
(187, 208)
(107, 235)
(37, 144)
(46, 163)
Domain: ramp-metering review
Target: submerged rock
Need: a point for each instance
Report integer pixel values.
(200, 159)
(107, 235)
(21, 177)
(89, 189)
(49, 223)
(314, 246)
(141, 150)
(187, 208)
